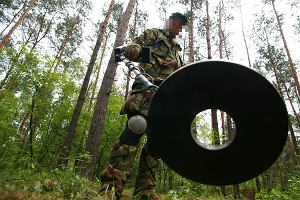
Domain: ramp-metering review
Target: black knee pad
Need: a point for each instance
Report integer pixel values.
(130, 138)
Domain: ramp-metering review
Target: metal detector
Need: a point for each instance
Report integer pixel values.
(256, 107)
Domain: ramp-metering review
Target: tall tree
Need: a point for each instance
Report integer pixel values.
(214, 116)
(291, 63)
(112, 28)
(191, 33)
(15, 26)
(238, 2)
(94, 138)
(139, 22)
(5, 6)
(66, 147)
(132, 35)
(98, 68)
(69, 26)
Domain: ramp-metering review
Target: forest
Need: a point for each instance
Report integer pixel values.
(61, 90)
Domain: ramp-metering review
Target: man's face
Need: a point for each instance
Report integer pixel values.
(174, 27)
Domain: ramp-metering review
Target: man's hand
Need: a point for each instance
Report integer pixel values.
(169, 63)
(133, 51)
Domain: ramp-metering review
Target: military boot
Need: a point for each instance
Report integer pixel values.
(118, 169)
(145, 181)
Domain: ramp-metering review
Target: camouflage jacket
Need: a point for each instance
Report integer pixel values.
(164, 50)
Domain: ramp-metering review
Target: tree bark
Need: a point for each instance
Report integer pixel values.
(220, 32)
(209, 56)
(94, 138)
(11, 31)
(65, 150)
(98, 71)
(191, 34)
(132, 36)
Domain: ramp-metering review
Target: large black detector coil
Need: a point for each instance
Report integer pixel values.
(256, 107)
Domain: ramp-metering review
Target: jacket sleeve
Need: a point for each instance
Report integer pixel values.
(147, 38)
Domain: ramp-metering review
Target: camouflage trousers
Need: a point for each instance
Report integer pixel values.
(119, 169)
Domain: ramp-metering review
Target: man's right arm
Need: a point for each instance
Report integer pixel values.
(147, 38)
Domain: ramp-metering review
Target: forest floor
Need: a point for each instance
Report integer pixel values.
(32, 184)
(23, 194)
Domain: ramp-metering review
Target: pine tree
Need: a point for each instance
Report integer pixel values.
(66, 147)
(88, 167)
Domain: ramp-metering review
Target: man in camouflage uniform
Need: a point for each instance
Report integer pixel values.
(165, 60)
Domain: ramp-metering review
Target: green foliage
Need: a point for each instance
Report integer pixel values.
(58, 184)
(34, 100)
(274, 194)
(37, 103)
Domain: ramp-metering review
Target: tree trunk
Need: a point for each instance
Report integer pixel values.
(132, 36)
(291, 63)
(243, 32)
(96, 128)
(214, 119)
(191, 34)
(221, 41)
(31, 131)
(293, 138)
(26, 11)
(220, 32)
(12, 20)
(98, 71)
(208, 32)
(65, 150)
(22, 123)
(8, 73)
(63, 46)
(279, 83)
